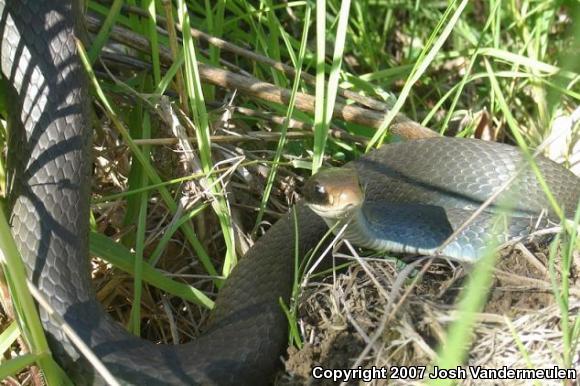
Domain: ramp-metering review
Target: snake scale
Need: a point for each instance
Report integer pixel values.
(49, 166)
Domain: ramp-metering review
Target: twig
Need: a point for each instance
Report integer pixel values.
(521, 280)
(171, 319)
(334, 132)
(401, 126)
(532, 259)
(252, 136)
(289, 70)
(132, 62)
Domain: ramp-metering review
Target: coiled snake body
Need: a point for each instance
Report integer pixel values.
(49, 170)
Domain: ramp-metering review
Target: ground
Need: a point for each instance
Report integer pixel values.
(341, 317)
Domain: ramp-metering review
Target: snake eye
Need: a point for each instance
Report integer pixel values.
(319, 193)
(316, 194)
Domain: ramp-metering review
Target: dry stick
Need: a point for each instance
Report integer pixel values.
(401, 126)
(541, 284)
(289, 70)
(335, 132)
(122, 61)
(399, 283)
(171, 318)
(532, 259)
(252, 136)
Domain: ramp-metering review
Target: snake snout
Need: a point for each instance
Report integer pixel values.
(334, 193)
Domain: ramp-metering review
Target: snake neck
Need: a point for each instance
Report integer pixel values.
(357, 231)
(387, 235)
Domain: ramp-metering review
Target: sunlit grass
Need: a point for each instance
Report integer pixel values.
(441, 60)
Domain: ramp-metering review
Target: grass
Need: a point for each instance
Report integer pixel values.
(497, 69)
(284, 128)
(25, 309)
(432, 47)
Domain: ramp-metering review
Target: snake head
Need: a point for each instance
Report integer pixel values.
(334, 193)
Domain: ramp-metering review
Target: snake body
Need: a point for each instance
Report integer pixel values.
(49, 180)
(429, 188)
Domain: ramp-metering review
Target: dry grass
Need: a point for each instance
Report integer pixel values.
(348, 321)
(167, 319)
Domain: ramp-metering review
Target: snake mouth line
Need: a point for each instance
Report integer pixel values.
(329, 212)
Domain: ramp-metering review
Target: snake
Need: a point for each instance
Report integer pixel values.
(430, 188)
(421, 183)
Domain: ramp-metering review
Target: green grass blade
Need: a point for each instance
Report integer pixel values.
(515, 130)
(135, 319)
(123, 259)
(427, 56)
(200, 118)
(24, 304)
(283, 130)
(333, 79)
(14, 366)
(472, 61)
(165, 82)
(149, 5)
(320, 130)
(103, 35)
(453, 352)
(170, 231)
(148, 169)
(8, 337)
